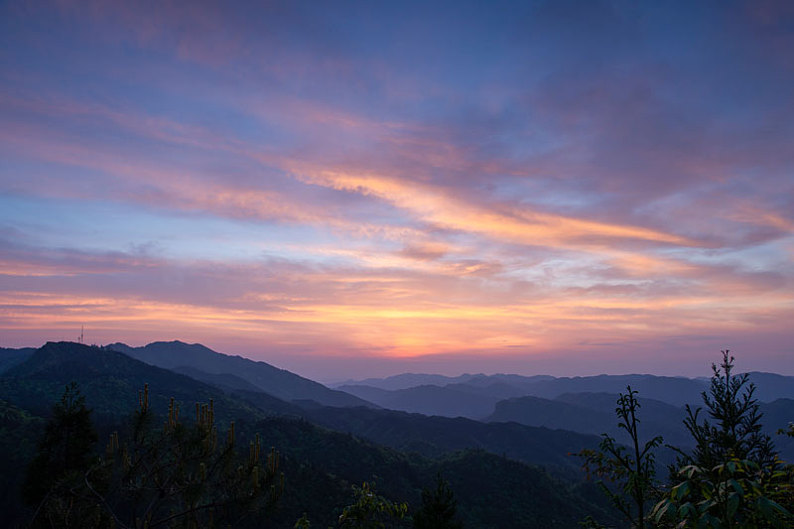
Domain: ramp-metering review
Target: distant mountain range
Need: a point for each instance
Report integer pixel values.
(398, 393)
(578, 404)
(320, 464)
(540, 420)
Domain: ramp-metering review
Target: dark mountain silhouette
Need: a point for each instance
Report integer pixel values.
(778, 415)
(435, 436)
(447, 401)
(475, 396)
(11, 357)
(498, 389)
(593, 413)
(492, 491)
(474, 399)
(770, 386)
(411, 380)
(110, 382)
(225, 381)
(405, 381)
(272, 380)
(267, 403)
(676, 391)
(369, 393)
(320, 464)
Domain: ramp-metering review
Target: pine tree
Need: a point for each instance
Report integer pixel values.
(54, 479)
(734, 428)
(438, 509)
(732, 477)
(183, 475)
(65, 449)
(171, 475)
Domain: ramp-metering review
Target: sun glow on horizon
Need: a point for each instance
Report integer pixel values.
(272, 185)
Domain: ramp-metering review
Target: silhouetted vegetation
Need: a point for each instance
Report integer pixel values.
(65, 453)
(633, 467)
(731, 478)
(438, 509)
(165, 467)
(175, 475)
(372, 511)
(320, 465)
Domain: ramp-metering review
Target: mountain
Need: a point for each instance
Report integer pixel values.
(225, 381)
(593, 413)
(471, 396)
(405, 381)
(110, 381)
(11, 357)
(277, 382)
(777, 416)
(437, 436)
(489, 388)
(475, 396)
(492, 492)
(676, 391)
(771, 386)
(448, 401)
(320, 465)
(411, 380)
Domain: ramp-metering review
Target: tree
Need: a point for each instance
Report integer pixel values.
(55, 473)
(176, 476)
(632, 471)
(182, 475)
(735, 427)
(438, 508)
(732, 476)
(371, 511)
(785, 492)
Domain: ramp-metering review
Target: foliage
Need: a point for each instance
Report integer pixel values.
(732, 494)
(493, 492)
(732, 477)
(438, 509)
(183, 475)
(65, 450)
(176, 476)
(20, 433)
(302, 522)
(735, 432)
(633, 472)
(371, 511)
(437, 436)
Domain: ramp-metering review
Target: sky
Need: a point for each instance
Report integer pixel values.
(352, 189)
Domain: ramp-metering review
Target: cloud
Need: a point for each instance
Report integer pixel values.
(564, 179)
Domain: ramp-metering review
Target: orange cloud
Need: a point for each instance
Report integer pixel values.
(434, 206)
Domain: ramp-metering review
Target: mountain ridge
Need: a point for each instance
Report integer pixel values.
(275, 381)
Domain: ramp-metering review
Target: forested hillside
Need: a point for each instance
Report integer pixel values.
(320, 465)
(520, 467)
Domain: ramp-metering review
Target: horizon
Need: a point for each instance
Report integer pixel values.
(567, 187)
(390, 367)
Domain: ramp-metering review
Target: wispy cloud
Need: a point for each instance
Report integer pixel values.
(546, 181)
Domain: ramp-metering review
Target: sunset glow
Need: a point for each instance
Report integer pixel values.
(353, 189)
